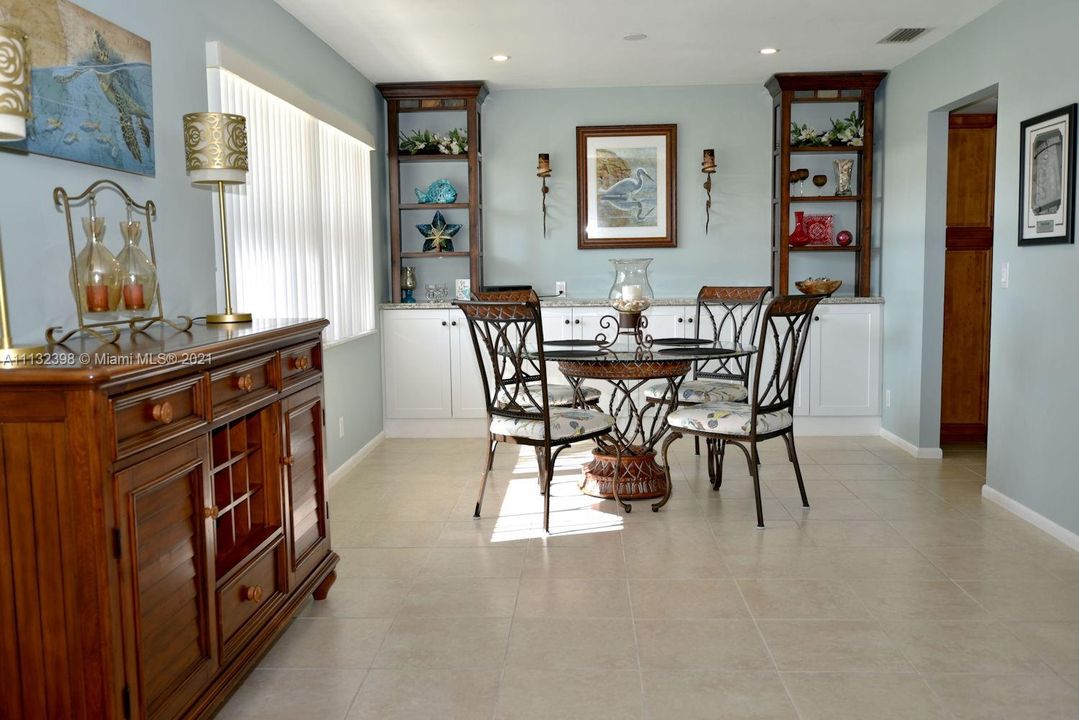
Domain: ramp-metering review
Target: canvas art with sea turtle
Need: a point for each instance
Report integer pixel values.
(92, 97)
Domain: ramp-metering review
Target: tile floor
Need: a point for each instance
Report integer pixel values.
(900, 594)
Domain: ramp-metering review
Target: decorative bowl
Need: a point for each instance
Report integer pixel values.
(818, 286)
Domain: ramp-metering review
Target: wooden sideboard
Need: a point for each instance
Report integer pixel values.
(163, 515)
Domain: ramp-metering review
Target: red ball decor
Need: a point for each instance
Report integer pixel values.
(844, 237)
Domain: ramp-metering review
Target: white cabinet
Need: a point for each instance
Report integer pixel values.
(844, 362)
(416, 363)
(668, 321)
(466, 385)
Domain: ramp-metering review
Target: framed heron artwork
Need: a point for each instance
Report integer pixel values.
(626, 186)
(1047, 178)
(90, 86)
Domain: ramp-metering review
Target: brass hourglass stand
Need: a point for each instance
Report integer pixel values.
(107, 328)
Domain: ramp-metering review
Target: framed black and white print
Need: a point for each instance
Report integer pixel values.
(1047, 178)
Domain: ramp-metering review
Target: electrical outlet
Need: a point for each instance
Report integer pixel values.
(887, 398)
(341, 426)
(560, 288)
(1004, 273)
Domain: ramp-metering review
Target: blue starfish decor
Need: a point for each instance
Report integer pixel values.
(438, 236)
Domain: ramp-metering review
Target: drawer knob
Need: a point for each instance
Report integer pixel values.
(252, 593)
(162, 412)
(679, 319)
(567, 321)
(301, 363)
(287, 460)
(211, 512)
(245, 382)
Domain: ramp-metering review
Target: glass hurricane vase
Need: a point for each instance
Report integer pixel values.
(631, 291)
(98, 273)
(138, 276)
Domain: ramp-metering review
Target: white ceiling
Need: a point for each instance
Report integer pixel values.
(578, 43)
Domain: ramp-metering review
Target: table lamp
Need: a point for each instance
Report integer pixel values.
(215, 145)
(14, 111)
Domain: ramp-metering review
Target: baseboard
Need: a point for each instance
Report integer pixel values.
(348, 465)
(920, 453)
(1033, 517)
(435, 428)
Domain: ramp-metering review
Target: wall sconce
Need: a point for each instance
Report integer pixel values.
(708, 167)
(543, 170)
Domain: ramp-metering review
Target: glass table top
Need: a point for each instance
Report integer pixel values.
(627, 350)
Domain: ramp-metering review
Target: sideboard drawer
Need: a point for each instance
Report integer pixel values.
(257, 586)
(148, 417)
(300, 362)
(240, 385)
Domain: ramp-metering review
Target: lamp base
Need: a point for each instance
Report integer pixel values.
(227, 318)
(22, 355)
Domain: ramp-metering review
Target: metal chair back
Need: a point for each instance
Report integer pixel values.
(728, 314)
(784, 332)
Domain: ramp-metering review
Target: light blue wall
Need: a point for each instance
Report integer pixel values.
(733, 119)
(1027, 47)
(33, 231)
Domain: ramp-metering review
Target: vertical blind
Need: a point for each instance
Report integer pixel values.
(300, 228)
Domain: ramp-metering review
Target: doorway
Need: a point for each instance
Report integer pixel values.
(968, 272)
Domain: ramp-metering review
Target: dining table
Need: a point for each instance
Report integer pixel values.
(628, 365)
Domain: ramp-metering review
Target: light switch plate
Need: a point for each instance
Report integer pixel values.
(560, 288)
(1004, 274)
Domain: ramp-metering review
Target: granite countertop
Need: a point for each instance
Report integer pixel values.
(603, 302)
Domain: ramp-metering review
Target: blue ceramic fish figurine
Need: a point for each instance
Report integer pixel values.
(440, 191)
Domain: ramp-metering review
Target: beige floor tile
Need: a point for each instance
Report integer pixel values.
(787, 489)
(1056, 643)
(1005, 697)
(853, 533)
(1026, 600)
(454, 597)
(668, 598)
(574, 562)
(795, 562)
(552, 597)
(528, 694)
(328, 643)
(731, 645)
(843, 457)
(565, 643)
(862, 472)
(441, 643)
(697, 695)
(885, 489)
(374, 534)
(917, 600)
(362, 598)
(664, 561)
(415, 694)
(735, 538)
(678, 534)
(921, 507)
(290, 693)
(987, 563)
(948, 532)
(381, 562)
(830, 508)
(801, 599)
(831, 646)
(484, 532)
(475, 562)
(882, 562)
(861, 696)
(960, 646)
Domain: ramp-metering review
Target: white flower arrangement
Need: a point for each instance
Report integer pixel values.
(849, 131)
(425, 142)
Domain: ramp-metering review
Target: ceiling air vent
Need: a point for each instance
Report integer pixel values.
(903, 35)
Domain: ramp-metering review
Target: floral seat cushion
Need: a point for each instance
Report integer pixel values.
(701, 391)
(557, 395)
(566, 424)
(725, 418)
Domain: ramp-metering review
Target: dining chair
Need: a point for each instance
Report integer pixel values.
(724, 314)
(559, 394)
(769, 412)
(508, 338)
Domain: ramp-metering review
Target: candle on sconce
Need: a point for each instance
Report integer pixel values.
(708, 164)
(97, 297)
(543, 168)
(134, 299)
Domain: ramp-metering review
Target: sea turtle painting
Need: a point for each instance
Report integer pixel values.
(91, 88)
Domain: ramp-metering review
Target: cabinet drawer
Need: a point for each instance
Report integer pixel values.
(148, 417)
(299, 363)
(240, 385)
(258, 585)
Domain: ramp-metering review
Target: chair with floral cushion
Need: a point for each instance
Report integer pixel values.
(508, 339)
(560, 395)
(724, 314)
(769, 412)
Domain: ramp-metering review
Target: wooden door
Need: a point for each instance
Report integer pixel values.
(304, 459)
(968, 278)
(165, 545)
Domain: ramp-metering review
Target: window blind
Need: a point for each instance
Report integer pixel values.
(300, 228)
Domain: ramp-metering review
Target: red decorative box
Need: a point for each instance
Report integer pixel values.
(819, 229)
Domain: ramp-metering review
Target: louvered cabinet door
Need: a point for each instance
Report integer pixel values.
(164, 544)
(304, 462)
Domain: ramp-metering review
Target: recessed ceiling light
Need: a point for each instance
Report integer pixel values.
(769, 51)
(500, 58)
(633, 37)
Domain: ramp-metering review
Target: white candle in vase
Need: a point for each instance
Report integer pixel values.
(631, 292)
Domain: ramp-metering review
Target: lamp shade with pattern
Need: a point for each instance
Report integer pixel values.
(215, 146)
(14, 83)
